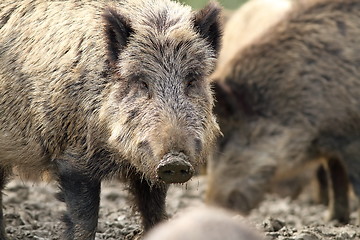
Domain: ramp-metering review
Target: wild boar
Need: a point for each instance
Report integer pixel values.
(292, 98)
(92, 89)
(245, 26)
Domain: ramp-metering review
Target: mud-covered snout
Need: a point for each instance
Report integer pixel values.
(175, 168)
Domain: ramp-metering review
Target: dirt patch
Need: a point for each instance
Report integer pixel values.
(32, 212)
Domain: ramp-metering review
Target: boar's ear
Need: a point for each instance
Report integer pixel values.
(117, 32)
(224, 103)
(207, 22)
(230, 98)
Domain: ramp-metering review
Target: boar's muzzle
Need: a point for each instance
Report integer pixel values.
(175, 168)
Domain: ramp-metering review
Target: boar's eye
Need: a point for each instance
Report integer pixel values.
(143, 85)
(144, 88)
(191, 82)
(139, 82)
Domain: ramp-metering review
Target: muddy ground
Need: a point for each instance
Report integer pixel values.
(32, 212)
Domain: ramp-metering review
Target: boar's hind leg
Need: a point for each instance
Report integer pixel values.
(149, 200)
(81, 194)
(338, 191)
(352, 161)
(3, 176)
(355, 179)
(323, 186)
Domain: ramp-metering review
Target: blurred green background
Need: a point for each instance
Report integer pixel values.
(229, 4)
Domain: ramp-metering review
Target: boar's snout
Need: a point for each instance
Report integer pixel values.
(175, 168)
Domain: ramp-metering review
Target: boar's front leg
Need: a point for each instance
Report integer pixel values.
(81, 193)
(323, 185)
(149, 200)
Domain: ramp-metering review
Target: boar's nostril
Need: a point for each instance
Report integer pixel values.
(169, 172)
(174, 169)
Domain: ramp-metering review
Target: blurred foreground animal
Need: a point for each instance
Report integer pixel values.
(203, 224)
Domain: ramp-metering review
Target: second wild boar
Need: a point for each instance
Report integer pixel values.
(290, 101)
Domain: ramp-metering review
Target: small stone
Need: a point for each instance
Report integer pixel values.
(273, 235)
(306, 236)
(273, 225)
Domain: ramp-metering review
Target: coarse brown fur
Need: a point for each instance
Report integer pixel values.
(293, 98)
(204, 223)
(93, 89)
(246, 25)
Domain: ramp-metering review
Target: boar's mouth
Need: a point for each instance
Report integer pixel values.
(175, 168)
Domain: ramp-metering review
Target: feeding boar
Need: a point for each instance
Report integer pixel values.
(92, 89)
(289, 102)
(247, 24)
(205, 223)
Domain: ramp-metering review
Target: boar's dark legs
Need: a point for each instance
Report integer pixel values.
(352, 161)
(356, 186)
(323, 186)
(81, 194)
(149, 200)
(3, 176)
(355, 179)
(338, 192)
